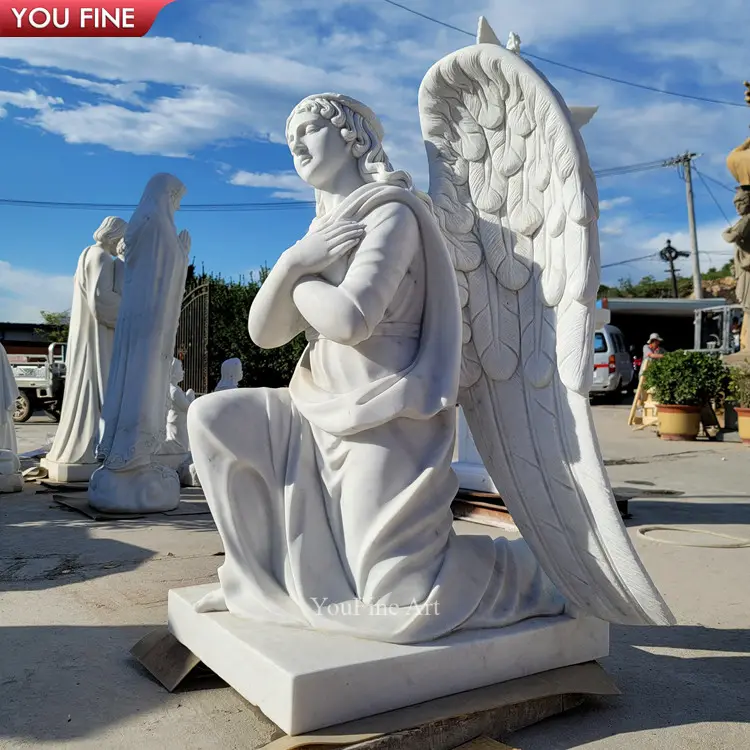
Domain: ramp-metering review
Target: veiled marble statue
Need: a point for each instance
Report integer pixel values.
(131, 478)
(333, 496)
(96, 303)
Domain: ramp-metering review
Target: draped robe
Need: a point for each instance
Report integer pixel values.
(332, 497)
(8, 396)
(96, 303)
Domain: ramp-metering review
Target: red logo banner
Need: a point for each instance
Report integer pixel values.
(78, 18)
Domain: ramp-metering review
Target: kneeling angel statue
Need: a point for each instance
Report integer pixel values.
(333, 496)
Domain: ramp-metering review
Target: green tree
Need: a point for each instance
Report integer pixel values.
(229, 305)
(59, 326)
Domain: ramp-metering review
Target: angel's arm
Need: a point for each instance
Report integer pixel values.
(349, 312)
(274, 320)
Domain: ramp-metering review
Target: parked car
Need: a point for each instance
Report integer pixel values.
(41, 382)
(613, 363)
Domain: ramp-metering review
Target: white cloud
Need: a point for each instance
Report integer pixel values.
(608, 205)
(26, 100)
(24, 292)
(284, 184)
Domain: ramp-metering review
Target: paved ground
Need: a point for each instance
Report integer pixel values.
(77, 594)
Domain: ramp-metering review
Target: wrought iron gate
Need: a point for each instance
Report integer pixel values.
(192, 338)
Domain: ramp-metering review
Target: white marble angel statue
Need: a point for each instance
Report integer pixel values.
(231, 375)
(333, 496)
(96, 302)
(156, 261)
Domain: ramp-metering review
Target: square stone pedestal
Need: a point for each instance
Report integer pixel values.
(305, 680)
(68, 473)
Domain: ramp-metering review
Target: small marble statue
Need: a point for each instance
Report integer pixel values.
(178, 403)
(96, 302)
(10, 467)
(337, 490)
(231, 375)
(131, 479)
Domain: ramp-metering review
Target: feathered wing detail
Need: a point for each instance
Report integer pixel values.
(516, 198)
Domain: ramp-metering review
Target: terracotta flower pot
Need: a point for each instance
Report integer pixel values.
(743, 423)
(679, 422)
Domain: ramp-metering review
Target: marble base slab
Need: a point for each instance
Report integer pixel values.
(68, 473)
(305, 680)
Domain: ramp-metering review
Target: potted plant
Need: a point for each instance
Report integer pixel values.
(739, 393)
(683, 383)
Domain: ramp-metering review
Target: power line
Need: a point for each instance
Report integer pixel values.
(650, 256)
(582, 71)
(719, 183)
(710, 192)
(261, 206)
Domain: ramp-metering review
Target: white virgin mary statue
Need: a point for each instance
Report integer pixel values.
(96, 303)
(156, 261)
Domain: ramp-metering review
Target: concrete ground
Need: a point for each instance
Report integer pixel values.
(77, 594)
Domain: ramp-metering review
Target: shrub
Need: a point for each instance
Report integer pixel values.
(739, 386)
(687, 378)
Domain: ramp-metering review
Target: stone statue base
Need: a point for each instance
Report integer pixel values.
(304, 680)
(11, 479)
(63, 473)
(150, 489)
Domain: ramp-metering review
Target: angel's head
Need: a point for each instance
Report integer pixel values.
(331, 137)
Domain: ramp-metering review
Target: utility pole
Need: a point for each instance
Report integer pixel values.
(686, 162)
(670, 255)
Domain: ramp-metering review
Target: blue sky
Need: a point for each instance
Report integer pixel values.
(205, 96)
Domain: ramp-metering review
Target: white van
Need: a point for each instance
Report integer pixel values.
(613, 365)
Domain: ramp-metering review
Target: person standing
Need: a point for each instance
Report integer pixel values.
(651, 351)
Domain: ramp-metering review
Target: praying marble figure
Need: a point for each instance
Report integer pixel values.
(10, 466)
(178, 403)
(131, 478)
(96, 303)
(337, 490)
(231, 375)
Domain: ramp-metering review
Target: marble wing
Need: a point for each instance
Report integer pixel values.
(517, 201)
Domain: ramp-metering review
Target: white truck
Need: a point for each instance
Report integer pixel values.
(41, 382)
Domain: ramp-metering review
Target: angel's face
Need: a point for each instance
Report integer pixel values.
(319, 151)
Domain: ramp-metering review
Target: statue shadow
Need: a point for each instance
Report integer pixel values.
(45, 545)
(669, 677)
(70, 684)
(661, 506)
